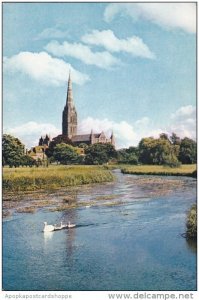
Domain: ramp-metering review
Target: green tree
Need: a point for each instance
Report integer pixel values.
(12, 150)
(99, 153)
(164, 136)
(27, 161)
(146, 149)
(56, 141)
(188, 151)
(157, 151)
(128, 156)
(175, 140)
(65, 154)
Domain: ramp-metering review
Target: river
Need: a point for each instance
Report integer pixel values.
(130, 240)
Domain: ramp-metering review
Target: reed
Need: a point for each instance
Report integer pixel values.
(183, 170)
(54, 177)
(191, 223)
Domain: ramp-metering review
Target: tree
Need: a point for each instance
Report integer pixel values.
(188, 151)
(145, 148)
(175, 140)
(27, 161)
(128, 156)
(55, 141)
(99, 153)
(164, 136)
(83, 145)
(65, 154)
(157, 151)
(12, 150)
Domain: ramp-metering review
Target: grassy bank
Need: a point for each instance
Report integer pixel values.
(183, 170)
(192, 223)
(30, 179)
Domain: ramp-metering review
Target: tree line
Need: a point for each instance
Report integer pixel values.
(165, 150)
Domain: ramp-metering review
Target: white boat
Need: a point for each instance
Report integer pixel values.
(48, 228)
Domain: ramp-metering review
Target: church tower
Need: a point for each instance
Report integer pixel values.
(69, 116)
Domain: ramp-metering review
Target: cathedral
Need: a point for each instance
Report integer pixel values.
(70, 124)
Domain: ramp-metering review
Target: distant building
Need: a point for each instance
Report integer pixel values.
(70, 124)
(69, 130)
(44, 141)
(37, 152)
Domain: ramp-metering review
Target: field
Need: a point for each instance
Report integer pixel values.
(183, 170)
(53, 177)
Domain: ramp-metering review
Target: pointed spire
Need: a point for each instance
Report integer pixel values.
(92, 137)
(112, 138)
(69, 98)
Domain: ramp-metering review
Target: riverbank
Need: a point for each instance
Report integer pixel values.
(54, 177)
(192, 223)
(184, 170)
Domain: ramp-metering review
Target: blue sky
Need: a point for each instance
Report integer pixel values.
(133, 68)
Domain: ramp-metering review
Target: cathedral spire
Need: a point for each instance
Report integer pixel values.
(69, 98)
(69, 116)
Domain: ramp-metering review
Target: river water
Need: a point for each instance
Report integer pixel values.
(130, 241)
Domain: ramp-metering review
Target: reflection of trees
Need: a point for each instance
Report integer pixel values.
(192, 245)
(70, 215)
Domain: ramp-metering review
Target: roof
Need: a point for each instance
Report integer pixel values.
(81, 138)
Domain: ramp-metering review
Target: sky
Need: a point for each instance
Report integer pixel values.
(133, 68)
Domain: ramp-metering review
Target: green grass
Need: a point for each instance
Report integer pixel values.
(31, 179)
(192, 223)
(183, 170)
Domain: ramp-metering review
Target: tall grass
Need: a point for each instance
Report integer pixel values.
(192, 223)
(183, 170)
(30, 179)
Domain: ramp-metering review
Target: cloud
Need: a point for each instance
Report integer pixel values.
(51, 33)
(167, 15)
(183, 122)
(29, 133)
(107, 39)
(83, 53)
(42, 67)
(123, 131)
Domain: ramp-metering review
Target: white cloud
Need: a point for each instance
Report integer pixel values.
(183, 122)
(123, 131)
(51, 33)
(107, 39)
(29, 133)
(167, 15)
(126, 134)
(42, 67)
(144, 122)
(79, 51)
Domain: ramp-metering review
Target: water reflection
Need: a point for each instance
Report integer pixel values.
(72, 217)
(192, 245)
(128, 247)
(48, 236)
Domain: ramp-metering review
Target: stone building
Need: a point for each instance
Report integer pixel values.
(44, 141)
(70, 124)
